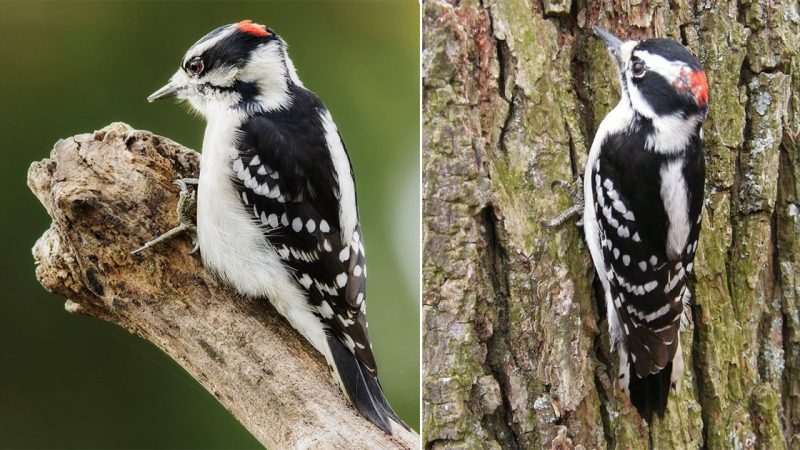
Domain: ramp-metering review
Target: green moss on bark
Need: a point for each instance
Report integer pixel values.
(516, 350)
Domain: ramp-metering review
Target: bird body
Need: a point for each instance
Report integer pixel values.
(276, 203)
(232, 244)
(643, 189)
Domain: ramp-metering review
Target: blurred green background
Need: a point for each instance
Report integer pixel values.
(66, 68)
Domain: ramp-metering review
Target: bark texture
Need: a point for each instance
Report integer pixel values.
(516, 346)
(110, 191)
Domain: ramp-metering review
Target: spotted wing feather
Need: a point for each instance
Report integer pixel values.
(286, 184)
(647, 287)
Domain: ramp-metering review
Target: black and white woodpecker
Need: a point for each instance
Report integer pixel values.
(643, 190)
(276, 200)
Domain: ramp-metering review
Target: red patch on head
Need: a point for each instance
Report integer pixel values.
(699, 86)
(247, 26)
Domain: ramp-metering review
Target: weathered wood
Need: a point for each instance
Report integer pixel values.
(516, 347)
(110, 191)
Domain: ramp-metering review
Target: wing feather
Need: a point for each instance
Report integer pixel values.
(647, 287)
(287, 187)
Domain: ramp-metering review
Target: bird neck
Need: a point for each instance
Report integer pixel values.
(667, 134)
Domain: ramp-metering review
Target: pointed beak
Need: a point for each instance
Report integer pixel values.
(170, 90)
(612, 42)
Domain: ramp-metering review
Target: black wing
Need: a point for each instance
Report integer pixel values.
(287, 181)
(647, 287)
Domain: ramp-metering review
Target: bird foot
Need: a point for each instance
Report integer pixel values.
(186, 202)
(575, 192)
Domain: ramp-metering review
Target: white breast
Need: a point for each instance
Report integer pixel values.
(231, 243)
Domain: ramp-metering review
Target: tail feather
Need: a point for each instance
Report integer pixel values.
(364, 390)
(650, 394)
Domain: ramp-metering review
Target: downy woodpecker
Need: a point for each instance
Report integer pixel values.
(276, 200)
(643, 190)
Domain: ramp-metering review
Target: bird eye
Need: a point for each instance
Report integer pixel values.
(637, 69)
(194, 66)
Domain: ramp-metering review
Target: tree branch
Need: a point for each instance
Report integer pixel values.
(109, 192)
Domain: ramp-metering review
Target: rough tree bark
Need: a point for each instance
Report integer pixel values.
(516, 348)
(110, 191)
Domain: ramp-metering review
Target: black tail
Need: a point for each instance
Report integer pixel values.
(650, 394)
(363, 389)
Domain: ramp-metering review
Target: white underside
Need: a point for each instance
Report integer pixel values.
(232, 245)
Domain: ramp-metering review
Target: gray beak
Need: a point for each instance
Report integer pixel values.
(170, 90)
(612, 42)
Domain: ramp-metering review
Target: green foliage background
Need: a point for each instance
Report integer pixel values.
(67, 68)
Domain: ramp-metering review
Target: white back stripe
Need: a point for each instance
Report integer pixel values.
(674, 194)
(348, 215)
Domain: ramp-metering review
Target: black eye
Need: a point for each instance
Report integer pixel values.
(637, 68)
(194, 66)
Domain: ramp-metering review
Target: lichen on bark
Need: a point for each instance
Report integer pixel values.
(516, 349)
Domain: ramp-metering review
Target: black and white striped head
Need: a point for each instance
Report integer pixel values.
(659, 77)
(242, 66)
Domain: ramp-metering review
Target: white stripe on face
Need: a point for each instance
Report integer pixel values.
(200, 48)
(626, 49)
(670, 70)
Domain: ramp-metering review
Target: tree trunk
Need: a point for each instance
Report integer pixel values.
(516, 346)
(109, 192)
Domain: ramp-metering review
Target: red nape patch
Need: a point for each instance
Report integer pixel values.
(247, 26)
(699, 86)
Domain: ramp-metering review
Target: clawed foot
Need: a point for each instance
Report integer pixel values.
(575, 192)
(186, 203)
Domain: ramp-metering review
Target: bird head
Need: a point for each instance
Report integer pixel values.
(242, 66)
(659, 77)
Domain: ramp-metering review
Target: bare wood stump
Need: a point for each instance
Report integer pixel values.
(110, 191)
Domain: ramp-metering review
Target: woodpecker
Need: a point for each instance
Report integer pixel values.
(643, 190)
(276, 200)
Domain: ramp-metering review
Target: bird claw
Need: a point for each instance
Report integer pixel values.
(576, 195)
(574, 189)
(564, 184)
(185, 182)
(186, 202)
